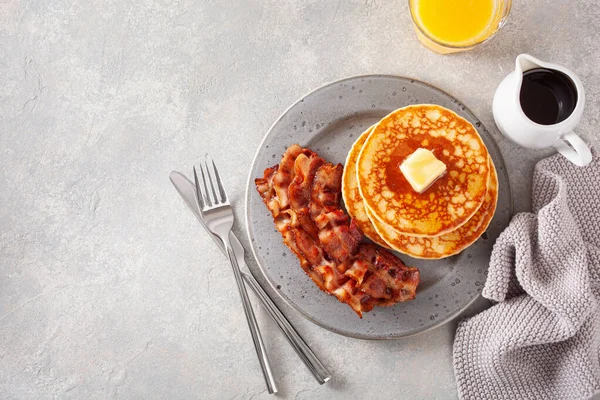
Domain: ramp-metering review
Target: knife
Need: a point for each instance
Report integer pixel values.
(187, 191)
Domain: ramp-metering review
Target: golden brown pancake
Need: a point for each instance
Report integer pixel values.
(452, 199)
(450, 243)
(351, 195)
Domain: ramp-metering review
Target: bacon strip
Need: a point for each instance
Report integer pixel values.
(303, 194)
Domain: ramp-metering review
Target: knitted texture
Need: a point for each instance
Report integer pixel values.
(542, 339)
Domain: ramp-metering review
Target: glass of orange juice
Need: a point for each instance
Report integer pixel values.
(449, 26)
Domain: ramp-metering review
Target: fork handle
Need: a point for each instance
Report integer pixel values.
(252, 324)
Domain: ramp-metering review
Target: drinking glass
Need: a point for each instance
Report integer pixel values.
(438, 23)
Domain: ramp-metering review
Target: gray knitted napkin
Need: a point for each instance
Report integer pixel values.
(542, 339)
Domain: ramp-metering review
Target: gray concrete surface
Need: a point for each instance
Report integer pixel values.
(108, 287)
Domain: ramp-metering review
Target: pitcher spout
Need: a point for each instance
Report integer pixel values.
(525, 62)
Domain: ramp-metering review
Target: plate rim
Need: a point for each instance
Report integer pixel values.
(250, 182)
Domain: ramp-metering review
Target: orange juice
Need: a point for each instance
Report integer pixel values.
(453, 25)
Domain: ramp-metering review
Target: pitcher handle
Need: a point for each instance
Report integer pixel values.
(578, 153)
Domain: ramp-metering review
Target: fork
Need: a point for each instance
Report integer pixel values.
(218, 215)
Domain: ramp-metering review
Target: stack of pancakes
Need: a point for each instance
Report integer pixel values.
(444, 219)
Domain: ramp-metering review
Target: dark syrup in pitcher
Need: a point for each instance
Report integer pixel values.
(547, 96)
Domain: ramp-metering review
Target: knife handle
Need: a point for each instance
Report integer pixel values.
(293, 337)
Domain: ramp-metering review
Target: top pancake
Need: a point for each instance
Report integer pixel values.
(451, 200)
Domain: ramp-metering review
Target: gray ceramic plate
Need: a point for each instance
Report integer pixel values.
(328, 121)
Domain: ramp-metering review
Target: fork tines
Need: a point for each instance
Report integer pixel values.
(219, 196)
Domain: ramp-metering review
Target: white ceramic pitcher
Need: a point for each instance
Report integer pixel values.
(515, 125)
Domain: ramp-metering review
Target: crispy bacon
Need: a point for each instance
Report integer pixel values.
(303, 194)
(285, 174)
(266, 188)
(299, 191)
(389, 278)
(287, 222)
(308, 246)
(339, 236)
(326, 190)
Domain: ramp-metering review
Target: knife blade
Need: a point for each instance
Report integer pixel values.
(187, 191)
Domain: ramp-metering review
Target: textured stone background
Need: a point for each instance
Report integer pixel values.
(108, 286)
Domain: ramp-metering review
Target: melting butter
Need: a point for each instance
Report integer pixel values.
(421, 169)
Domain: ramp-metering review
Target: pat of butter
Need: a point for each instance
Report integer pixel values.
(421, 169)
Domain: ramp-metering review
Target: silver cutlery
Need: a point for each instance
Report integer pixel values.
(187, 191)
(218, 216)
